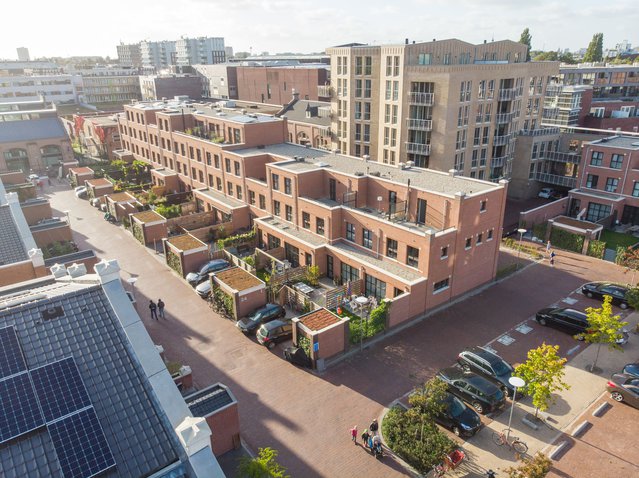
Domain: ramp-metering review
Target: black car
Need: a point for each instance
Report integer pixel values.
(275, 331)
(261, 316)
(624, 388)
(631, 369)
(458, 417)
(216, 265)
(568, 320)
(488, 365)
(597, 290)
(480, 393)
(297, 356)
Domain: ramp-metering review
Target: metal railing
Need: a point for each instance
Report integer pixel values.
(498, 161)
(572, 158)
(324, 90)
(539, 132)
(425, 99)
(507, 94)
(502, 140)
(419, 124)
(556, 179)
(502, 118)
(418, 148)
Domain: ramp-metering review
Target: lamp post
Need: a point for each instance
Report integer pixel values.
(362, 303)
(521, 232)
(517, 383)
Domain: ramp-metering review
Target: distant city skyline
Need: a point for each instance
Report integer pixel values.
(307, 26)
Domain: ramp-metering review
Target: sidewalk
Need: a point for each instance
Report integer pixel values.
(562, 417)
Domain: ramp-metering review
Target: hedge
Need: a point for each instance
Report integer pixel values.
(236, 240)
(596, 249)
(567, 240)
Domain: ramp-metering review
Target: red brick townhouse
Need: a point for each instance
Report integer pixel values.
(608, 187)
(417, 236)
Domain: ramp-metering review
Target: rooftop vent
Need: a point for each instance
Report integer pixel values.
(322, 164)
(402, 165)
(377, 174)
(52, 313)
(409, 164)
(336, 151)
(359, 173)
(366, 158)
(260, 146)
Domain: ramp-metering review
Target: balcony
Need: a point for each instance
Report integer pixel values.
(572, 158)
(418, 148)
(422, 99)
(556, 180)
(502, 140)
(499, 161)
(503, 118)
(419, 124)
(507, 94)
(539, 132)
(324, 91)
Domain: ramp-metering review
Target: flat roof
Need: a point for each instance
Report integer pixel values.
(219, 197)
(319, 319)
(238, 279)
(31, 130)
(205, 402)
(81, 170)
(572, 222)
(164, 172)
(148, 216)
(95, 182)
(121, 197)
(625, 142)
(290, 229)
(315, 159)
(185, 242)
(297, 112)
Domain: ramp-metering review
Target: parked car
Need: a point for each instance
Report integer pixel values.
(203, 289)
(624, 387)
(488, 365)
(479, 392)
(216, 265)
(273, 332)
(631, 369)
(571, 321)
(458, 417)
(81, 191)
(260, 316)
(597, 290)
(297, 356)
(546, 193)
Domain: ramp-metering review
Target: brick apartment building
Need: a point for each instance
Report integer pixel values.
(441, 104)
(608, 185)
(417, 237)
(98, 134)
(275, 85)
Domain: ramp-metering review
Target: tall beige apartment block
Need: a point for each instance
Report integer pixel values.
(441, 104)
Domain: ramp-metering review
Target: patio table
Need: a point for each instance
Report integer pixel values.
(303, 288)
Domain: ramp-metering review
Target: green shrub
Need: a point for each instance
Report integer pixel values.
(168, 211)
(173, 261)
(313, 275)
(250, 260)
(304, 343)
(236, 239)
(620, 255)
(566, 240)
(138, 233)
(539, 230)
(596, 249)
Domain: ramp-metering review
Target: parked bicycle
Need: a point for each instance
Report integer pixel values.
(501, 438)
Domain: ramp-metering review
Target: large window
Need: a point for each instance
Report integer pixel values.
(611, 185)
(17, 160)
(591, 181)
(441, 285)
(289, 213)
(287, 185)
(597, 158)
(275, 180)
(51, 155)
(306, 220)
(412, 256)
(375, 287)
(319, 226)
(350, 231)
(597, 211)
(635, 189)
(616, 161)
(391, 248)
(367, 238)
(276, 208)
(349, 273)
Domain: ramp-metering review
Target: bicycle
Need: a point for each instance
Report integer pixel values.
(500, 438)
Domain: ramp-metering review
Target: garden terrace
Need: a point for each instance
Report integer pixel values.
(238, 279)
(185, 242)
(319, 320)
(146, 217)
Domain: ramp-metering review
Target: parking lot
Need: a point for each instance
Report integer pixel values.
(305, 416)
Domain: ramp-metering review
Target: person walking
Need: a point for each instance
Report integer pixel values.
(552, 259)
(548, 246)
(153, 308)
(161, 308)
(354, 434)
(365, 436)
(373, 427)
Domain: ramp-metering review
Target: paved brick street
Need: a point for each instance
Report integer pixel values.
(305, 416)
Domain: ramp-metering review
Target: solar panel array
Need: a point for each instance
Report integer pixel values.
(55, 395)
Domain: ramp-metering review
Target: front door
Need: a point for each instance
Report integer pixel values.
(329, 267)
(421, 211)
(392, 202)
(332, 189)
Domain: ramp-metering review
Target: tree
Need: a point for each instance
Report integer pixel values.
(543, 373)
(526, 39)
(535, 467)
(603, 328)
(567, 57)
(629, 259)
(429, 399)
(262, 466)
(546, 56)
(595, 49)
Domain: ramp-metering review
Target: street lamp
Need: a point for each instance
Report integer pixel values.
(521, 232)
(517, 383)
(362, 303)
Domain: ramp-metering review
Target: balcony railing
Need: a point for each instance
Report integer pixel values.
(507, 94)
(423, 99)
(539, 132)
(498, 161)
(324, 90)
(419, 124)
(503, 118)
(502, 140)
(556, 179)
(418, 148)
(572, 158)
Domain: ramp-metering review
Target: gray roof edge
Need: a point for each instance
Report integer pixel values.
(23, 228)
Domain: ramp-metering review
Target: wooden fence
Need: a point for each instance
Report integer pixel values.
(335, 296)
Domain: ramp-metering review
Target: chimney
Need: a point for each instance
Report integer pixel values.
(296, 95)
(406, 41)
(452, 172)
(484, 42)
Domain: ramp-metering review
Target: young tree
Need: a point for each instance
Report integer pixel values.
(262, 466)
(543, 373)
(630, 260)
(526, 39)
(535, 467)
(595, 49)
(603, 327)
(427, 402)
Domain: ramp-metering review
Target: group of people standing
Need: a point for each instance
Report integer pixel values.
(370, 438)
(157, 309)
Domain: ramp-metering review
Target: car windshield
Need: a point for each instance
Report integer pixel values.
(255, 317)
(501, 368)
(456, 407)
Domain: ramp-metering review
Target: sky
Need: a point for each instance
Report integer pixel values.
(72, 27)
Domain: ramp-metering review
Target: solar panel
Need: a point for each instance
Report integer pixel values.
(59, 388)
(19, 411)
(11, 358)
(80, 444)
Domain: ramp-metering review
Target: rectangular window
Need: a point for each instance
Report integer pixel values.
(358, 88)
(367, 88)
(375, 287)
(227, 164)
(611, 185)
(287, 185)
(480, 238)
(444, 253)
(441, 285)
(367, 238)
(237, 168)
(216, 160)
(391, 248)
(368, 65)
(252, 198)
(635, 189)
(412, 256)
(229, 188)
(597, 211)
(423, 59)
(482, 206)
(276, 208)
(218, 183)
(319, 226)
(238, 191)
(389, 89)
(350, 231)
(289, 213)
(596, 159)
(490, 235)
(358, 65)
(591, 181)
(469, 242)
(275, 181)
(616, 161)
(306, 220)
(349, 273)
(262, 201)
(208, 158)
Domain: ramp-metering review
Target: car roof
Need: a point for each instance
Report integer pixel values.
(485, 354)
(268, 307)
(572, 312)
(274, 323)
